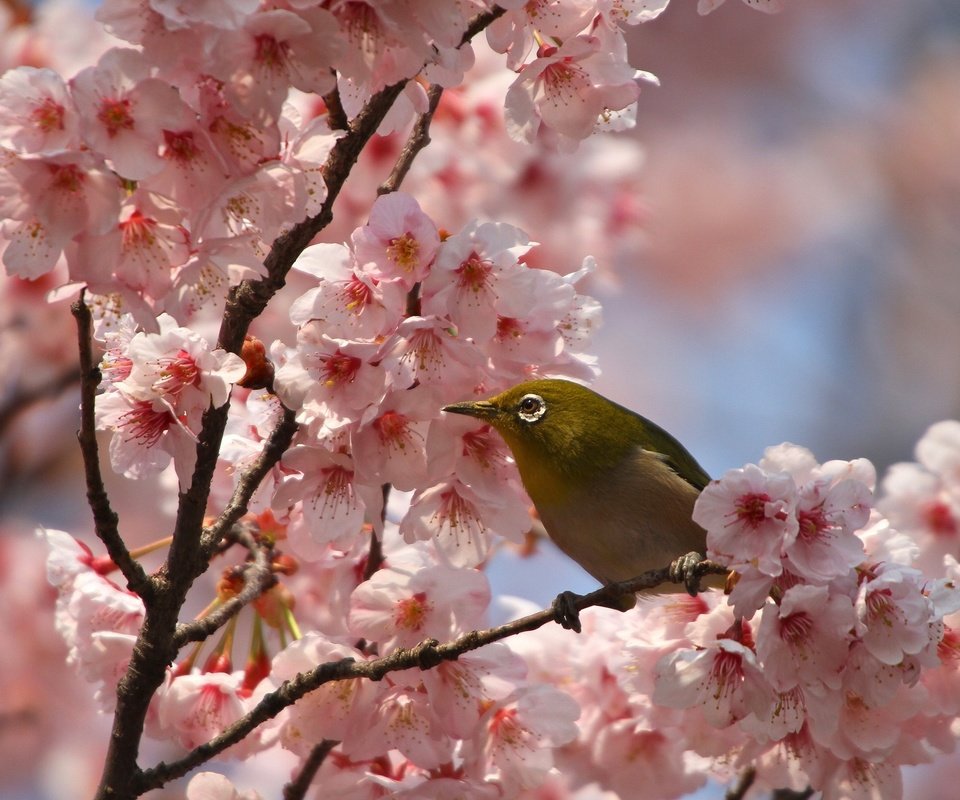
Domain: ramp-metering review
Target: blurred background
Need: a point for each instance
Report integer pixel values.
(783, 265)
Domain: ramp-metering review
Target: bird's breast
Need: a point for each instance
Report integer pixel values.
(623, 521)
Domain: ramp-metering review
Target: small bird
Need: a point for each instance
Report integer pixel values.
(614, 491)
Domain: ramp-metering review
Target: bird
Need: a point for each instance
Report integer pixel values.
(614, 491)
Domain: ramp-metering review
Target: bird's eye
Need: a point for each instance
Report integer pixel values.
(531, 407)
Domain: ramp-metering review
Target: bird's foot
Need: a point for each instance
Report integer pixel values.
(684, 570)
(566, 611)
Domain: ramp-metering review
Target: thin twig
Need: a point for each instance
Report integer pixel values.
(105, 519)
(418, 139)
(426, 655)
(744, 781)
(297, 788)
(336, 116)
(273, 449)
(257, 578)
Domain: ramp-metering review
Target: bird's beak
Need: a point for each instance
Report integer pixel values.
(482, 409)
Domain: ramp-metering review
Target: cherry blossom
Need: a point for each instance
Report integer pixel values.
(750, 517)
(399, 608)
(37, 115)
(123, 112)
(569, 88)
(214, 786)
(399, 242)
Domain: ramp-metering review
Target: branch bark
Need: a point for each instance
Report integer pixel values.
(418, 139)
(188, 556)
(297, 788)
(105, 520)
(426, 655)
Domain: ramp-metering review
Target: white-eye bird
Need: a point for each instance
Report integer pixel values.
(614, 491)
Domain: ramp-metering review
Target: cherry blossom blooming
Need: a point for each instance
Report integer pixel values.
(200, 180)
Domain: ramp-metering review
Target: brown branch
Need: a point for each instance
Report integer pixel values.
(744, 781)
(257, 578)
(426, 655)
(188, 558)
(336, 116)
(105, 519)
(418, 139)
(297, 788)
(273, 449)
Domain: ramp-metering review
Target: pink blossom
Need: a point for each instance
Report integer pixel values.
(559, 20)
(214, 786)
(141, 252)
(893, 614)
(123, 112)
(805, 639)
(273, 50)
(477, 455)
(461, 522)
(334, 505)
(55, 198)
(723, 680)
(399, 608)
(402, 720)
(749, 516)
(336, 710)
(331, 382)
(569, 88)
(348, 302)
(828, 515)
(179, 366)
(391, 447)
(398, 242)
(939, 451)
(36, 113)
(192, 709)
(100, 623)
(473, 278)
(515, 748)
(226, 14)
(430, 351)
(461, 690)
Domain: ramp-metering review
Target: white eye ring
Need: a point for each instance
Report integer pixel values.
(531, 408)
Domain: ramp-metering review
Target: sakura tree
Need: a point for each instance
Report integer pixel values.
(277, 281)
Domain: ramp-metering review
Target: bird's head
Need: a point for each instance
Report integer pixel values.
(558, 431)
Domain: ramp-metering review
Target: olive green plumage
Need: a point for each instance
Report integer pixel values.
(614, 490)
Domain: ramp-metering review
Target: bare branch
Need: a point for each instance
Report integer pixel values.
(273, 450)
(418, 139)
(336, 116)
(257, 578)
(739, 789)
(426, 655)
(105, 519)
(297, 788)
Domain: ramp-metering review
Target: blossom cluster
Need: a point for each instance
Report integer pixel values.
(829, 664)
(163, 173)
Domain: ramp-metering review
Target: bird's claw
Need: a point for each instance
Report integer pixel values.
(566, 611)
(684, 570)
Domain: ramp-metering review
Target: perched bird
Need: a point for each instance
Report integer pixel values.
(614, 491)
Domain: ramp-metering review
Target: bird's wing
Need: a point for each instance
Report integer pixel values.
(686, 466)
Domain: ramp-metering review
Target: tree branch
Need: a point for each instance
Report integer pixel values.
(426, 655)
(297, 788)
(105, 519)
(739, 789)
(418, 139)
(270, 455)
(257, 578)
